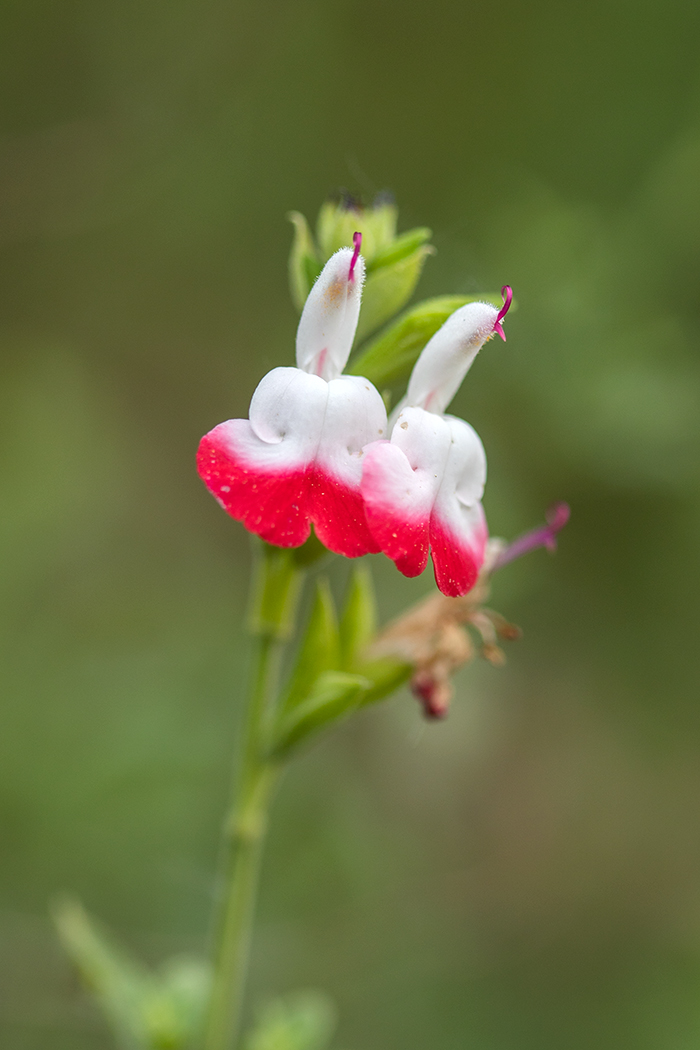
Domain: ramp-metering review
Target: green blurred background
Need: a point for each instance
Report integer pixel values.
(525, 876)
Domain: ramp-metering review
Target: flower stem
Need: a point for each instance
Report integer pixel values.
(276, 588)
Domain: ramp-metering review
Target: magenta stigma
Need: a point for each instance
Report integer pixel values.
(507, 293)
(357, 241)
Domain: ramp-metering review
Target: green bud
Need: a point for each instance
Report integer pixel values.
(333, 695)
(304, 264)
(337, 221)
(117, 981)
(382, 218)
(358, 623)
(389, 288)
(389, 358)
(319, 650)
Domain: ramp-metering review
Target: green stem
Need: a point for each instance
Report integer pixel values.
(244, 835)
(276, 589)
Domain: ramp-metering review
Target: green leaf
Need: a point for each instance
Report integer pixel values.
(389, 288)
(358, 623)
(320, 648)
(304, 263)
(304, 1021)
(399, 248)
(390, 357)
(115, 979)
(333, 695)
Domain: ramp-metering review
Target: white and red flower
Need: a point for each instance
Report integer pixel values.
(297, 460)
(423, 488)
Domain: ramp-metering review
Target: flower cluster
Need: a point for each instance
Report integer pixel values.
(317, 449)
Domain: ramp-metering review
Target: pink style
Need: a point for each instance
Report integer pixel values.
(423, 488)
(297, 461)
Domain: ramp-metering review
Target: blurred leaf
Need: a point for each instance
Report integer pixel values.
(146, 1011)
(333, 695)
(388, 289)
(320, 648)
(358, 623)
(304, 1021)
(304, 264)
(117, 981)
(398, 249)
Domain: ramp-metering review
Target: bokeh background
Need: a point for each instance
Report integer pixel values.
(526, 875)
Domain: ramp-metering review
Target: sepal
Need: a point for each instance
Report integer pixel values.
(304, 262)
(333, 695)
(302, 1021)
(319, 651)
(358, 627)
(358, 623)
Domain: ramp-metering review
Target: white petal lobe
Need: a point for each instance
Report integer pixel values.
(287, 415)
(355, 416)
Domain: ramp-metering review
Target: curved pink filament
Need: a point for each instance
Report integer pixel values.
(357, 241)
(507, 293)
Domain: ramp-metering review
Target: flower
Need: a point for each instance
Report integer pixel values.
(423, 488)
(297, 460)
